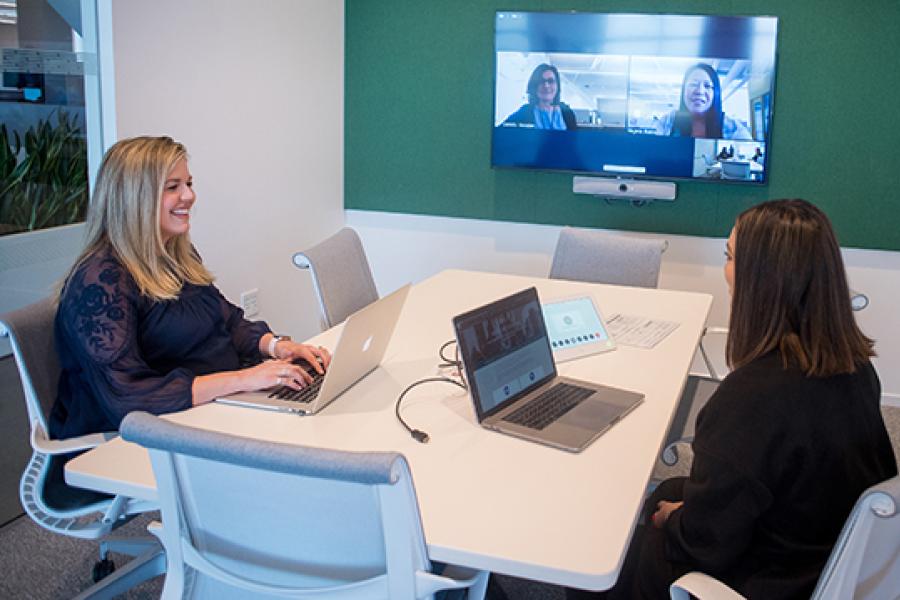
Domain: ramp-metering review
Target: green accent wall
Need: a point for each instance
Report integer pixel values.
(419, 101)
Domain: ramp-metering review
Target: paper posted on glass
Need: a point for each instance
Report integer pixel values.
(642, 332)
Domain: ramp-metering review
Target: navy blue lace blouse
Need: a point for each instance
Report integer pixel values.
(121, 351)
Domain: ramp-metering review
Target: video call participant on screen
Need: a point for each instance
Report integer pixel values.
(544, 110)
(700, 114)
(791, 437)
(140, 325)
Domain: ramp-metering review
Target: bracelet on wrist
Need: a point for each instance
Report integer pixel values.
(274, 342)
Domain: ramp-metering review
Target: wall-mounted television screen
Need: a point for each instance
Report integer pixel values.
(635, 95)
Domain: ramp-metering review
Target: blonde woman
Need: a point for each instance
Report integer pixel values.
(140, 325)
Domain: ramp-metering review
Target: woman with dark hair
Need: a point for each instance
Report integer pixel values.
(791, 437)
(700, 112)
(544, 110)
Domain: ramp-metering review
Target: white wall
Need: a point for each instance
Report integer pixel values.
(256, 92)
(405, 248)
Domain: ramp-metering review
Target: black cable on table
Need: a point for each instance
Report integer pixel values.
(418, 434)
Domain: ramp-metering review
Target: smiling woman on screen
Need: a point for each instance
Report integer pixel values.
(140, 325)
(544, 109)
(700, 113)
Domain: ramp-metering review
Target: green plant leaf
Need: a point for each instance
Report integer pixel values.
(48, 185)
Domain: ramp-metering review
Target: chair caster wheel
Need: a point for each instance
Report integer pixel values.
(102, 568)
(670, 455)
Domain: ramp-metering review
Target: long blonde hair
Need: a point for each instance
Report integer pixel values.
(124, 215)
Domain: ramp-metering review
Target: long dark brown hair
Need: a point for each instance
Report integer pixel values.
(713, 116)
(790, 292)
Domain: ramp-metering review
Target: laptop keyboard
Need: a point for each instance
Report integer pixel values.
(549, 406)
(304, 395)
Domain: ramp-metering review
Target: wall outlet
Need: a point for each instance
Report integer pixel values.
(250, 302)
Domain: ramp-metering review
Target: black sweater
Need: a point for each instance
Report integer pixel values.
(779, 461)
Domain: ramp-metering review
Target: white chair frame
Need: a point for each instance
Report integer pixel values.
(80, 521)
(181, 457)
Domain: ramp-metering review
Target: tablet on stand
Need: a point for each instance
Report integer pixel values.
(575, 328)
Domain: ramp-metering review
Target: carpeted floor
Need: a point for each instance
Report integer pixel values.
(40, 565)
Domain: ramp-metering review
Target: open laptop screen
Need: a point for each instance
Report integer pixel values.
(505, 349)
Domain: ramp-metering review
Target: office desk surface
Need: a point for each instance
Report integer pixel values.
(487, 500)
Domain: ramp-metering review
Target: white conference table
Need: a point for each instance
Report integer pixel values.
(487, 500)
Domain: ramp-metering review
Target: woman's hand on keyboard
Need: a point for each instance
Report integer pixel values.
(317, 356)
(273, 373)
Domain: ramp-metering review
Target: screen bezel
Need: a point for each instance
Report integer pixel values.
(766, 172)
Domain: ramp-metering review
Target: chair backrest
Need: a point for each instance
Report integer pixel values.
(865, 561)
(341, 275)
(600, 257)
(255, 514)
(30, 332)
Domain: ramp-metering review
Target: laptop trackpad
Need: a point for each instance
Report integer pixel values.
(593, 414)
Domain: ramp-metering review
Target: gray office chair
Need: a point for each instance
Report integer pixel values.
(45, 496)
(312, 523)
(864, 563)
(341, 276)
(713, 168)
(600, 257)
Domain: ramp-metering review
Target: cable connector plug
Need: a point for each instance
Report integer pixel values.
(417, 434)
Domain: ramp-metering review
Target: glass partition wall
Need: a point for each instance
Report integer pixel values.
(53, 132)
(50, 118)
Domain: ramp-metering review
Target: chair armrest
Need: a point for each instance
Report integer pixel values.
(43, 444)
(709, 366)
(701, 586)
(139, 507)
(669, 454)
(156, 528)
(453, 577)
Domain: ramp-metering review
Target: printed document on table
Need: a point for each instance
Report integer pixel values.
(642, 332)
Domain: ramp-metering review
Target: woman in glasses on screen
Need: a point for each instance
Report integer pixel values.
(700, 113)
(544, 110)
(791, 437)
(140, 325)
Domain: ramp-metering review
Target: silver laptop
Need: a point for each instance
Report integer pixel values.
(514, 384)
(359, 350)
